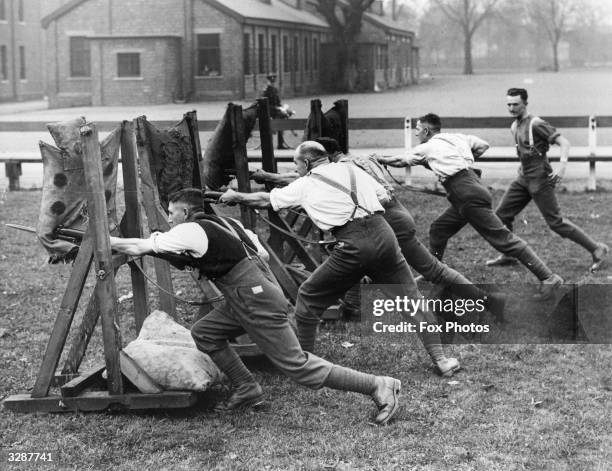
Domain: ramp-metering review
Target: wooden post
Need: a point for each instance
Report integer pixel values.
(408, 147)
(240, 160)
(268, 163)
(344, 120)
(592, 183)
(315, 129)
(105, 290)
(132, 219)
(13, 172)
(155, 215)
(192, 124)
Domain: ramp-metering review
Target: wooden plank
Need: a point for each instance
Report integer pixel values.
(105, 290)
(80, 383)
(137, 375)
(68, 306)
(156, 217)
(99, 401)
(132, 220)
(240, 161)
(191, 118)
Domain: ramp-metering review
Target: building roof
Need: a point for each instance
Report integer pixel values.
(389, 24)
(61, 11)
(274, 11)
(243, 10)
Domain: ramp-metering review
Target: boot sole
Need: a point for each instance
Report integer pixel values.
(254, 403)
(449, 373)
(397, 388)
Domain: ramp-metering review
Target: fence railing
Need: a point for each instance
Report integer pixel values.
(591, 153)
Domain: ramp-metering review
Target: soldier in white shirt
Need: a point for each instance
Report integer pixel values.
(346, 201)
(450, 157)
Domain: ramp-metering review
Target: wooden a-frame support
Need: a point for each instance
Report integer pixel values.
(95, 250)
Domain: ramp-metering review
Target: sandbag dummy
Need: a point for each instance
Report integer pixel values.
(166, 351)
(332, 124)
(64, 196)
(219, 153)
(171, 159)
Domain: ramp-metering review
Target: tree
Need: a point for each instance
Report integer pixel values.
(469, 15)
(555, 18)
(345, 18)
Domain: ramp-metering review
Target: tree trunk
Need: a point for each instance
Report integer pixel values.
(467, 54)
(555, 48)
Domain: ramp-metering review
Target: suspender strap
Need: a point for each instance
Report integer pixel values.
(514, 129)
(352, 192)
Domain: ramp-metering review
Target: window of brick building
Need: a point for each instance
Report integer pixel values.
(22, 63)
(273, 52)
(128, 64)
(296, 53)
(286, 55)
(246, 53)
(306, 54)
(80, 57)
(261, 54)
(209, 55)
(20, 15)
(2, 10)
(315, 54)
(3, 68)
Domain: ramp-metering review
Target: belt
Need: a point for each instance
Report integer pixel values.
(334, 230)
(463, 172)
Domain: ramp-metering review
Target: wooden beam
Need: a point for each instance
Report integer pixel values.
(68, 306)
(105, 290)
(137, 376)
(80, 383)
(132, 219)
(99, 401)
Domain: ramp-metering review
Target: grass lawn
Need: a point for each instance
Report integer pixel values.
(512, 407)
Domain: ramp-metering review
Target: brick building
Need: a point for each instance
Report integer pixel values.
(21, 71)
(111, 52)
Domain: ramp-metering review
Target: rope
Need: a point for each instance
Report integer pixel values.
(292, 234)
(178, 298)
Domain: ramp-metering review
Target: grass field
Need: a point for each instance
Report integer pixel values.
(513, 407)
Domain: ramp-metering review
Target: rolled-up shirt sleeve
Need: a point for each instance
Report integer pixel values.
(545, 130)
(417, 155)
(289, 196)
(188, 238)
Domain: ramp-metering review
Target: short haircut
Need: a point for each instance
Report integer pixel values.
(518, 92)
(310, 150)
(192, 197)
(330, 144)
(432, 120)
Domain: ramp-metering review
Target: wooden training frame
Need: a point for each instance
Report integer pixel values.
(95, 249)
